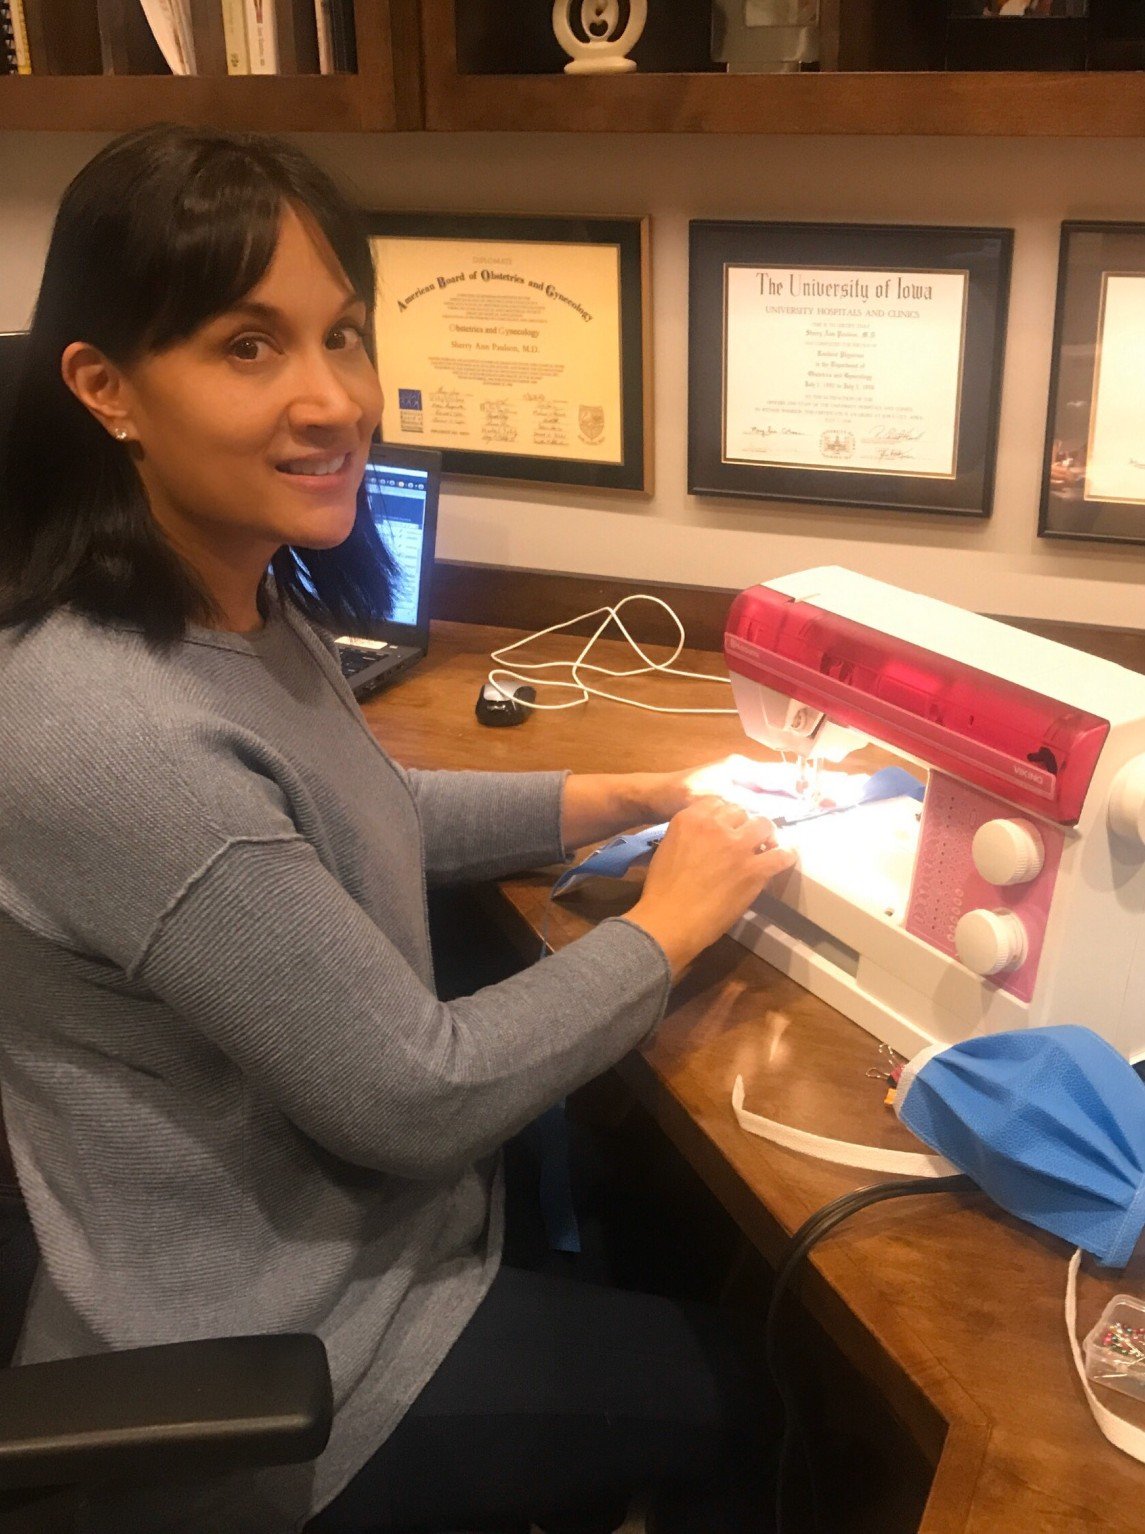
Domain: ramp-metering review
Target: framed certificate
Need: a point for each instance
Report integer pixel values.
(516, 346)
(1093, 484)
(847, 364)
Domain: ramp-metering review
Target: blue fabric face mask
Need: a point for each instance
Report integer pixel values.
(1050, 1122)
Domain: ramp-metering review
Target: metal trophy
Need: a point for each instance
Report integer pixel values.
(599, 45)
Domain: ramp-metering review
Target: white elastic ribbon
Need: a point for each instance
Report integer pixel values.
(1121, 1434)
(913, 1163)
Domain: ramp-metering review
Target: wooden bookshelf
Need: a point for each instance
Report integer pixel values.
(409, 78)
(384, 94)
(994, 104)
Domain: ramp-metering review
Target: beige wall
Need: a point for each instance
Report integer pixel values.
(998, 566)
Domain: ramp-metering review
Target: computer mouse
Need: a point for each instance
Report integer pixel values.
(496, 709)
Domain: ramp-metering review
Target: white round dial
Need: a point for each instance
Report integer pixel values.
(1127, 801)
(989, 942)
(1008, 851)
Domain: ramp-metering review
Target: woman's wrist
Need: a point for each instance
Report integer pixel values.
(665, 794)
(673, 937)
(596, 805)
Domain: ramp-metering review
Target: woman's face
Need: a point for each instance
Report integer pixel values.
(253, 432)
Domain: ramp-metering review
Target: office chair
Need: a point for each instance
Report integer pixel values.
(152, 1414)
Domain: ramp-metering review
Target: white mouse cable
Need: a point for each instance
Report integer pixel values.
(581, 664)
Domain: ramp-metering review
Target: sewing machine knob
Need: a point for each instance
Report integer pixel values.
(1007, 852)
(1127, 801)
(989, 942)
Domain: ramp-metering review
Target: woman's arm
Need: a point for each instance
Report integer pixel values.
(268, 957)
(479, 825)
(598, 805)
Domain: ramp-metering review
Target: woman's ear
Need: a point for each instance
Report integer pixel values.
(100, 387)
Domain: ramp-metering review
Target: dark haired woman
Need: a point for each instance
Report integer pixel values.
(235, 1102)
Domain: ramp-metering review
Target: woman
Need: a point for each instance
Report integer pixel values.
(235, 1102)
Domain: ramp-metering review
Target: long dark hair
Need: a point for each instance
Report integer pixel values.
(166, 228)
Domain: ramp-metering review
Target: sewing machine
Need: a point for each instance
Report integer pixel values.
(1014, 895)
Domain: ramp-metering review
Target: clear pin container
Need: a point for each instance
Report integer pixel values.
(1115, 1348)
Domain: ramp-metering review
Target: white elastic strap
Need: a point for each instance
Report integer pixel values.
(912, 1163)
(911, 1069)
(1121, 1434)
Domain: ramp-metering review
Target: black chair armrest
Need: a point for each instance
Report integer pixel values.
(186, 1408)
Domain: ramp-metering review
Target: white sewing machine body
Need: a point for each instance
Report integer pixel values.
(1027, 855)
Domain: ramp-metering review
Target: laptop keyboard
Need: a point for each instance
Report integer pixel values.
(354, 661)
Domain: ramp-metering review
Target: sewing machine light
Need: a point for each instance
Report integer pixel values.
(783, 723)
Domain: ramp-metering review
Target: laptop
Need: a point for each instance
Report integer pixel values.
(402, 487)
(12, 346)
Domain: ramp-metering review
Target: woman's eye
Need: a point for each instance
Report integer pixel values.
(344, 336)
(249, 348)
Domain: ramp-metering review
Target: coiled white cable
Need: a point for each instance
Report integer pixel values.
(580, 666)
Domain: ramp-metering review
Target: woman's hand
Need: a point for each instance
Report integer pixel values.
(596, 805)
(736, 779)
(713, 862)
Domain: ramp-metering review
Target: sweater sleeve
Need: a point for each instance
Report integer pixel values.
(480, 825)
(101, 831)
(266, 955)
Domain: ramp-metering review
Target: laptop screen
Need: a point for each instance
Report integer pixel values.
(401, 487)
(12, 344)
(397, 499)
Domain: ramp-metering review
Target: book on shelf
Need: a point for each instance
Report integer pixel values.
(234, 31)
(297, 26)
(9, 52)
(62, 37)
(179, 37)
(127, 42)
(261, 37)
(325, 37)
(7, 42)
(282, 37)
(20, 34)
(171, 31)
(208, 37)
(344, 43)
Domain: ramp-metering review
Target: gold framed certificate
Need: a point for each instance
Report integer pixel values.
(516, 346)
(1093, 483)
(847, 364)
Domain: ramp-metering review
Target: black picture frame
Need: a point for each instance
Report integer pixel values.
(984, 255)
(630, 237)
(1075, 504)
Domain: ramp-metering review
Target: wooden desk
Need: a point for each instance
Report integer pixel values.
(952, 1309)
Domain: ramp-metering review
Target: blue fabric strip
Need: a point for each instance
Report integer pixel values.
(615, 858)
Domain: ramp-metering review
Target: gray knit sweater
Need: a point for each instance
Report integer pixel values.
(234, 1100)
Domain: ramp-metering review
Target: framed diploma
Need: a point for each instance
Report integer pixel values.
(847, 364)
(516, 346)
(1093, 484)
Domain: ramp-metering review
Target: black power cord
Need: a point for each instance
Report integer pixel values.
(820, 1224)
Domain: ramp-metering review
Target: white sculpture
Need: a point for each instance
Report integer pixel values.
(602, 49)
